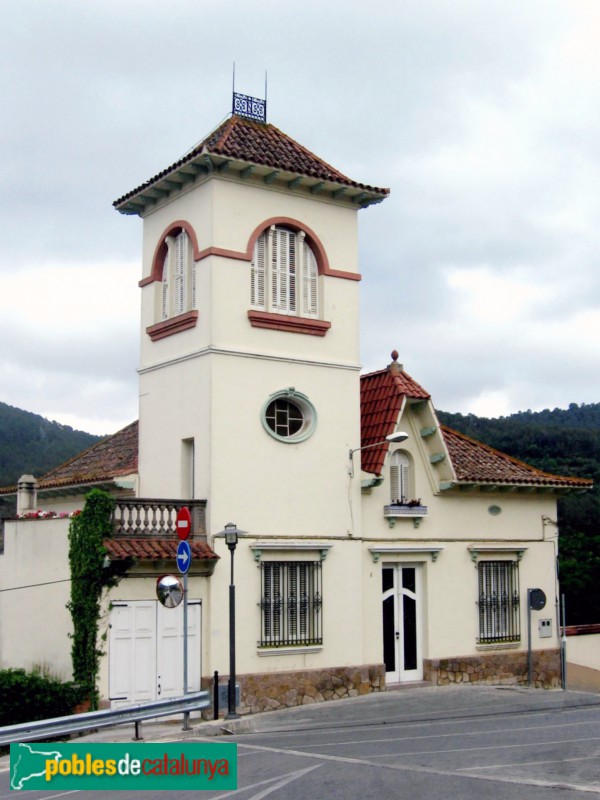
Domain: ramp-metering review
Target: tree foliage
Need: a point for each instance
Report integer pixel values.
(31, 444)
(90, 576)
(563, 442)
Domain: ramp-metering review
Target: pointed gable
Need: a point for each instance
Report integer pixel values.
(382, 397)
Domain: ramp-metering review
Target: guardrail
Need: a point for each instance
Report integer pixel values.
(76, 723)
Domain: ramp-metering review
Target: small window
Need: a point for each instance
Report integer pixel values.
(289, 416)
(400, 489)
(291, 603)
(284, 274)
(499, 616)
(178, 286)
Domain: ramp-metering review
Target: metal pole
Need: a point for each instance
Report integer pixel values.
(216, 695)
(186, 714)
(529, 657)
(563, 644)
(231, 712)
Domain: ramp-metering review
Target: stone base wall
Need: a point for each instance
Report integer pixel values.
(272, 690)
(494, 668)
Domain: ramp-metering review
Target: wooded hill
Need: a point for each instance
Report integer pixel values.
(31, 444)
(564, 442)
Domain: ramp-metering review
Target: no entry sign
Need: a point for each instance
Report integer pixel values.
(184, 523)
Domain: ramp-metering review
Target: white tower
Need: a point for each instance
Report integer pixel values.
(249, 375)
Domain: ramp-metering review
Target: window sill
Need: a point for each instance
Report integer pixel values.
(282, 322)
(394, 512)
(168, 327)
(288, 651)
(499, 646)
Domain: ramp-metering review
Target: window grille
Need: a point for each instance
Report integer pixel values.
(499, 617)
(291, 603)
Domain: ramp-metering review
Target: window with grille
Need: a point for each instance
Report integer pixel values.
(291, 603)
(284, 274)
(499, 616)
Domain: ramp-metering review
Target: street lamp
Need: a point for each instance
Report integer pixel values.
(231, 540)
(398, 436)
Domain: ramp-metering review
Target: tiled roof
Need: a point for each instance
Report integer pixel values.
(147, 548)
(116, 455)
(258, 143)
(475, 462)
(381, 396)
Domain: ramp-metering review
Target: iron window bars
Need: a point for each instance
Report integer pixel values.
(291, 603)
(499, 617)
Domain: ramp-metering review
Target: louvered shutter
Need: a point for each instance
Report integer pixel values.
(258, 267)
(309, 278)
(164, 304)
(399, 477)
(180, 264)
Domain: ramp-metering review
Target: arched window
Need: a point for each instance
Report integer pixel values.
(178, 288)
(400, 489)
(284, 274)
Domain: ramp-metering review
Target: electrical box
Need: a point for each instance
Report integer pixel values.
(545, 628)
(224, 695)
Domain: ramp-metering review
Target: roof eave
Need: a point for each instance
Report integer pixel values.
(500, 487)
(203, 165)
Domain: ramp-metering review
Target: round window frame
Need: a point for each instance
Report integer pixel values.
(307, 409)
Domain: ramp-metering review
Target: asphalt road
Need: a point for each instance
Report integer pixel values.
(458, 744)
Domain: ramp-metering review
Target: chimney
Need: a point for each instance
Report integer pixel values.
(26, 494)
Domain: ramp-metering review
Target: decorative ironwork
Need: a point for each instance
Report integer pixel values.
(250, 107)
(499, 618)
(291, 603)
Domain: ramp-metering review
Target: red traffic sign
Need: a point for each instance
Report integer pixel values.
(184, 523)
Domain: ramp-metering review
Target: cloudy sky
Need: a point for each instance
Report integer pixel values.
(483, 117)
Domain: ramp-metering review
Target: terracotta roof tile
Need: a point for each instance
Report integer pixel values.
(262, 144)
(148, 548)
(381, 396)
(116, 455)
(475, 462)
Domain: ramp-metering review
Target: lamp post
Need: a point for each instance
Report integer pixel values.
(231, 539)
(398, 436)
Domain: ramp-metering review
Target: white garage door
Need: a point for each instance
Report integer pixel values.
(145, 651)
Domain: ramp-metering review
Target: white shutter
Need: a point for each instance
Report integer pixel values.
(292, 271)
(258, 266)
(399, 477)
(164, 306)
(180, 265)
(309, 278)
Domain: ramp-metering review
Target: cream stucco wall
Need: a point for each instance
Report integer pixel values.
(35, 583)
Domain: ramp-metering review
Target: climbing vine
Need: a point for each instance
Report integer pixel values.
(90, 576)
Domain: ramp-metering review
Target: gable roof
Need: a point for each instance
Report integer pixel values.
(479, 463)
(383, 396)
(115, 456)
(246, 143)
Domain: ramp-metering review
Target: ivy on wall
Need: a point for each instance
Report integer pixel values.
(91, 574)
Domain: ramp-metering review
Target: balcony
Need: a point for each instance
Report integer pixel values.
(138, 516)
(410, 510)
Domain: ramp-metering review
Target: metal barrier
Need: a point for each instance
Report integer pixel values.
(76, 723)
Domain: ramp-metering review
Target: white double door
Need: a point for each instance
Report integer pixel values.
(401, 601)
(145, 651)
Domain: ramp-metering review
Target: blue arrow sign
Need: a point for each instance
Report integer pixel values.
(184, 556)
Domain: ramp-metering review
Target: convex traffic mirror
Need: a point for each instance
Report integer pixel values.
(169, 591)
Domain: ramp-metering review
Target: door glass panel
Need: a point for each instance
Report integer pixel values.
(409, 615)
(389, 633)
(387, 579)
(409, 578)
